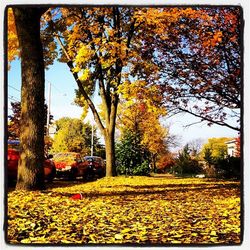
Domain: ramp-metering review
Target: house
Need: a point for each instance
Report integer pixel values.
(231, 147)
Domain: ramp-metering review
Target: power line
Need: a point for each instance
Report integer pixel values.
(14, 88)
(59, 91)
(13, 98)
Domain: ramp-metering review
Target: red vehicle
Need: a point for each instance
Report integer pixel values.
(70, 165)
(13, 157)
(95, 165)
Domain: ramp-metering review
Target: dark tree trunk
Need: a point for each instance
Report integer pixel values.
(30, 167)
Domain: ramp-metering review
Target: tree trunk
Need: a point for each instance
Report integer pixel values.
(110, 154)
(30, 166)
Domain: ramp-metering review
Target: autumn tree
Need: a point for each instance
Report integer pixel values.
(200, 68)
(140, 112)
(12, 44)
(165, 162)
(30, 168)
(216, 148)
(98, 46)
(14, 121)
(205, 81)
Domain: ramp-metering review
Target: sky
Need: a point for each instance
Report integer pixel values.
(62, 104)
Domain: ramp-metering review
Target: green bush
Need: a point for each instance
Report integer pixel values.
(142, 169)
(228, 168)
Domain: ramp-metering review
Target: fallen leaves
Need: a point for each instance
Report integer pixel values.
(117, 210)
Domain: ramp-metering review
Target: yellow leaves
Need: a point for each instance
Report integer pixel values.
(84, 54)
(141, 92)
(127, 210)
(85, 76)
(118, 237)
(125, 230)
(176, 241)
(13, 44)
(142, 103)
(213, 233)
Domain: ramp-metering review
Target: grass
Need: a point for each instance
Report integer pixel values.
(127, 210)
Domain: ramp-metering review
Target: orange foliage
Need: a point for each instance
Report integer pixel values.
(165, 162)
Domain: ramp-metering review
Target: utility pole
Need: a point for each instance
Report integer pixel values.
(48, 108)
(92, 140)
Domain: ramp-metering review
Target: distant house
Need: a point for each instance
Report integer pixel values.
(231, 147)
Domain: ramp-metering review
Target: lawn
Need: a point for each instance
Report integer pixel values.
(138, 210)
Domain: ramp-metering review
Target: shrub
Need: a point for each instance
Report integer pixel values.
(228, 168)
(142, 169)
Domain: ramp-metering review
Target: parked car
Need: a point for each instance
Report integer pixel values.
(96, 165)
(70, 165)
(13, 158)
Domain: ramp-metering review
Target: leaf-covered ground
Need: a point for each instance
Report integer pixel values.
(138, 210)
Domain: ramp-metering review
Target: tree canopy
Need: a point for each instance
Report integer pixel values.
(140, 112)
(217, 146)
(74, 136)
(200, 68)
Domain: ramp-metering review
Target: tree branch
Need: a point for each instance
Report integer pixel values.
(209, 120)
(81, 89)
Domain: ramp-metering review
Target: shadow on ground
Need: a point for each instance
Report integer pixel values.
(134, 190)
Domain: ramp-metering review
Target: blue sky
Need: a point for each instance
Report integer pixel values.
(62, 95)
(62, 89)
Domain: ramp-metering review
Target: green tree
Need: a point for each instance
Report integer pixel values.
(184, 164)
(208, 156)
(132, 157)
(74, 136)
(229, 167)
